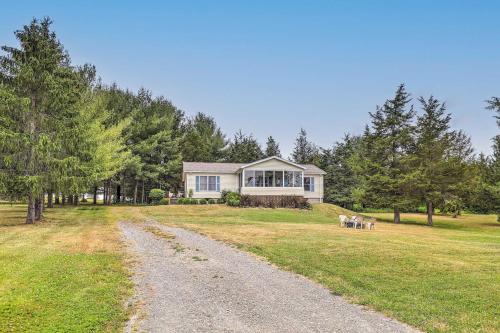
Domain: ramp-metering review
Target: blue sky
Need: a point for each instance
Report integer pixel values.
(271, 67)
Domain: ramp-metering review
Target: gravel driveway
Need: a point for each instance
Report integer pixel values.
(191, 283)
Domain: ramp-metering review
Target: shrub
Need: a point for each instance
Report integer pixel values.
(181, 201)
(202, 201)
(165, 201)
(212, 201)
(155, 195)
(190, 193)
(275, 201)
(193, 201)
(233, 202)
(223, 196)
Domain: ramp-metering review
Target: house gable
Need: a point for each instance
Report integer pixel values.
(273, 163)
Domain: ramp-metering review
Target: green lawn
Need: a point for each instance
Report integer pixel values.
(440, 279)
(65, 274)
(68, 273)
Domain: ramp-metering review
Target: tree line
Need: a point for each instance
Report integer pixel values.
(64, 133)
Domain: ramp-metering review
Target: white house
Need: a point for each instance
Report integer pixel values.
(269, 176)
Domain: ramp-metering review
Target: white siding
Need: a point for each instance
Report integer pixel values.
(317, 195)
(227, 182)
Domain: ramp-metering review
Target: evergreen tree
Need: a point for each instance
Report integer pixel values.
(272, 147)
(304, 151)
(386, 165)
(243, 149)
(151, 137)
(494, 180)
(39, 75)
(440, 155)
(203, 140)
(341, 181)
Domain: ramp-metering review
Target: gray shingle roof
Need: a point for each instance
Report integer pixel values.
(233, 167)
(211, 167)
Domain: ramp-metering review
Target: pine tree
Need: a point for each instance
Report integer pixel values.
(494, 104)
(341, 181)
(272, 147)
(203, 140)
(38, 72)
(243, 149)
(304, 151)
(388, 177)
(440, 155)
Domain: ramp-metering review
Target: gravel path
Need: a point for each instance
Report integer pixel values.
(191, 283)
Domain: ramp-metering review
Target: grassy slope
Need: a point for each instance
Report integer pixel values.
(441, 279)
(65, 274)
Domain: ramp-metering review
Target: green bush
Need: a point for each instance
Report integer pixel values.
(228, 195)
(275, 201)
(180, 201)
(165, 201)
(155, 195)
(233, 202)
(212, 201)
(193, 201)
(202, 201)
(190, 193)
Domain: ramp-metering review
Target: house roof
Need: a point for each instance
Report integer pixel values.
(211, 167)
(234, 167)
(273, 158)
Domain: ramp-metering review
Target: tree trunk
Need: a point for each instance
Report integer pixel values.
(75, 200)
(142, 198)
(135, 193)
(118, 193)
(430, 211)
(397, 215)
(57, 198)
(38, 209)
(50, 199)
(63, 197)
(104, 194)
(30, 216)
(95, 196)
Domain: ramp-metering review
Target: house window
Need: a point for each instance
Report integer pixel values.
(250, 178)
(257, 178)
(309, 184)
(278, 178)
(288, 178)
(269, 179)
(207, 183)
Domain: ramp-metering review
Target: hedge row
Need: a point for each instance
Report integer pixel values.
(274, 201)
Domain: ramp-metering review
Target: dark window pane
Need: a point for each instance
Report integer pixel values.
(297, 179)
(288, 179)
(269, 181)
(307, 184)
(278, 178)
(259, 178)
(249, 178)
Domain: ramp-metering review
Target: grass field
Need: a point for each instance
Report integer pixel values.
(440, 279)
(65, 274)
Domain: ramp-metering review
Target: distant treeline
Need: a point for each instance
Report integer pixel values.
(64, 133)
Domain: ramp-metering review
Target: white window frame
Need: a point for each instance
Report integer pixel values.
(198, 187)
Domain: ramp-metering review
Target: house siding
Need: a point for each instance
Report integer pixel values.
(227, 182)
(317, 195)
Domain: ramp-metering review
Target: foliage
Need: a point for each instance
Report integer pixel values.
(233, 202)
(190, 194)
(164, 201)
(385, 163)
(203, 140)
(341, 181)
(275, 201)
(272, 147)
(212, 201)
(202, 201)
(304, 151)
(243, 149)
(156, 195)
(228, 196)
